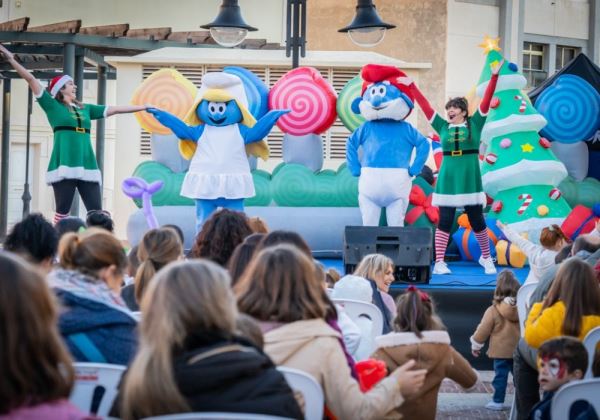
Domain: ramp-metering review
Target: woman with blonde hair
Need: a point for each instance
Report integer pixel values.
(378, 269)
(37, 372)
(281, 290)
(95, 322)
(157, 248)
(190, 358)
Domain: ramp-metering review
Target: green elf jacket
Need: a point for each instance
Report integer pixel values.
(72, 155)
(459, 180)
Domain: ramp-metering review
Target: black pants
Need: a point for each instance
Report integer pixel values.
(474, 213)
(64, 191)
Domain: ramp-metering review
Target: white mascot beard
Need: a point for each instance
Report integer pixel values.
(396, 109)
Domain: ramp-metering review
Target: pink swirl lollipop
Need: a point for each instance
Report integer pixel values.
(311, 99)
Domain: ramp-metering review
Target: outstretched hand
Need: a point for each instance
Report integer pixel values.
(7, 54)
(496, 66)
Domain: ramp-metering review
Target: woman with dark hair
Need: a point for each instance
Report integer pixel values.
(459, 180)
(277, 237)
(242, 256)
(100, 219)
(220, 234)
(72, 163)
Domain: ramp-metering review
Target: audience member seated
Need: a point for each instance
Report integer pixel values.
(69, 224)
(280, 289)
(500, 323)
(219, 236)
(541, 257)
(331, 277)
(572, 306)
(379, 271)
(100, 219)
(34, 239)
(258, 225)
(178, 231)
(560, 361)
(157, 248)
(190, 358)
(37, 372)
(419, 334)
(95, 322)
(277, 237)
(242, 255)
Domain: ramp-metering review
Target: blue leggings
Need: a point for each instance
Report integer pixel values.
(204, 208)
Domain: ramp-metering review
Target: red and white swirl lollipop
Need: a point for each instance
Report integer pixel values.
(309, 97)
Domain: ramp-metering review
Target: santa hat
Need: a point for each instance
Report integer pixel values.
(57, 83)
(374, 73)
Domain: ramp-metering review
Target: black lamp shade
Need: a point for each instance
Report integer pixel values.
(366, 17)
(229, 16)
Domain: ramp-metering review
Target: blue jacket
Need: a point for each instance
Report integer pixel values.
(105, 334)
(387, 144)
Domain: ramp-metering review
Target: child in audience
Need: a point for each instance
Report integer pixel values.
(541, 257)
(69, 224)
(242, 255)
(37, 372)
(571, 307)
(560, 361)
(95, 322)
(100, 219)
(34, 239)
(191, 359)
(419, 334)
(500, 323)
(157, 248)
(280, 290)
(379, 271)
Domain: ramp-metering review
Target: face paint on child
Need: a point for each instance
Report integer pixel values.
(552, 373)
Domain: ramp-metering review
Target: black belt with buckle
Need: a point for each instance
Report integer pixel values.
(68, 128)
(461, 152)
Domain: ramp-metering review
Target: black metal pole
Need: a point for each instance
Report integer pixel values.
(5, 157)
(101, 123)
(295, 30)
(26, 197)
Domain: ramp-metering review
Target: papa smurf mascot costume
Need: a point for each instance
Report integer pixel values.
(218, 134)
(387, 143)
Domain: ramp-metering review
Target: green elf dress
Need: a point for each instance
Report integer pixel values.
(72, 155)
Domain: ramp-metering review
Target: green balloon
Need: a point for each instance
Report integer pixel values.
(348, 93)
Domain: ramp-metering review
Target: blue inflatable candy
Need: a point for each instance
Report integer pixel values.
(572, 108)
(256, 91)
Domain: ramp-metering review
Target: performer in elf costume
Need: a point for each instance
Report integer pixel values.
(459, 179)
(72, 163)
(385, 170)
(218, 134)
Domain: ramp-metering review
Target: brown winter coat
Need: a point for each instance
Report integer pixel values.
(500, 323)
(432, 352)
(313, 347)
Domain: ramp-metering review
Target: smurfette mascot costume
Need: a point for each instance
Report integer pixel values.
(385, 171)
(218, 135)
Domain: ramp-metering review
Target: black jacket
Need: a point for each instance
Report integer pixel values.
(230, 375)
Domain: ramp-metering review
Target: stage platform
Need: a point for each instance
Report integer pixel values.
(461, 298)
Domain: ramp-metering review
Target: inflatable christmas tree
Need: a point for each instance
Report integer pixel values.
(519, 170)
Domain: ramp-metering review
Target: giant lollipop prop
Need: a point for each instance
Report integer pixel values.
(311, 99)
(166, 89)
(349, 92)
(137, 188)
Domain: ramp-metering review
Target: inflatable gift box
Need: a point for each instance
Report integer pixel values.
(420, 212)
(508, 254)
(581, 220)
(465, 239)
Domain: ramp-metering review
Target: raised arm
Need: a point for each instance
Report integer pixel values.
(261, 129)
(422, 101)
(484, 105)
(34, 84)
(125, 109)
(178, 127)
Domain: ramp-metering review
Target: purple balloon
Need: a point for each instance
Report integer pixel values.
(137, 188)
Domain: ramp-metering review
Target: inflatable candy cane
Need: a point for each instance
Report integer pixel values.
(523, 105)
(527, 201)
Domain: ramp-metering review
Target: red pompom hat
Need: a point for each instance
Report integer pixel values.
(373, 73)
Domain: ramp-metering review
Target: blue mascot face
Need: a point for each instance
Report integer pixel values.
(382, 100)
(219, 114)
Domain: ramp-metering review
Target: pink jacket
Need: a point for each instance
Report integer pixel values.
(56, 410)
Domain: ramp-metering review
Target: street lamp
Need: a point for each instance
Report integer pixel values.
(367, 29)
(229, 28)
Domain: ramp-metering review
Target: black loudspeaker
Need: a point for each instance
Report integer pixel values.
(409, 247)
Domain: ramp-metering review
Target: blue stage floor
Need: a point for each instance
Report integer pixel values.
(465, 275)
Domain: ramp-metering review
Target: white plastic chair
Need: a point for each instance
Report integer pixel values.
(95, 379)
(216, 416)
(309, 388)
(586, 389)
(356, 309)
(523, 296)
(590, 342)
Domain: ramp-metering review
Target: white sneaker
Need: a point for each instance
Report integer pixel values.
(441, 267)
(488, 264)
(495, 406)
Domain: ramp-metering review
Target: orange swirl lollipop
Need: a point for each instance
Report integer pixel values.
(166, 89)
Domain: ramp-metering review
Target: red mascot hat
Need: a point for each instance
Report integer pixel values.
(373, 73)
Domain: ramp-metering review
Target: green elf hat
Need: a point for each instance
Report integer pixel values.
(509, 76)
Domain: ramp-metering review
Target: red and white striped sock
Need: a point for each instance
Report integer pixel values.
(441, 242)
(58, 217)
(484, 243)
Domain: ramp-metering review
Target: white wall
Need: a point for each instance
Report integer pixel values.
(468, 23)
(560, 18)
